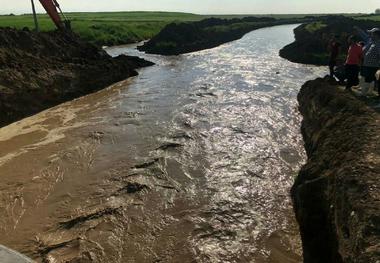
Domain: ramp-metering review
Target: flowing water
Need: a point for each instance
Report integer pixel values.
(191, 161)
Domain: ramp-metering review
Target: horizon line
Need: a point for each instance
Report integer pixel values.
(200, 14)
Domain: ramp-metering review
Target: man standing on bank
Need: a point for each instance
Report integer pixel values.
(333, 49)
(371, 53)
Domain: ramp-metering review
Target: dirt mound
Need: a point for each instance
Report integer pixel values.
(41, 70)
(336, 195)
(310, 46)
(180, 38)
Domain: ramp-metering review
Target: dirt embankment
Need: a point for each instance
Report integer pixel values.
(337, 193)
(41, 70)
(312, 39)
(180, 38)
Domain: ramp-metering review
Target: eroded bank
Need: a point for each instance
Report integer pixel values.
(41, 70)
(192, 160)
(337, 193)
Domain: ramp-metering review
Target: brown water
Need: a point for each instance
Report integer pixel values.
(192, 161)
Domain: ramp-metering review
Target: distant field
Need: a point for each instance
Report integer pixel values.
(113, 28)
(315, 26)
(110, 28)
(371, 17)
(106, 28)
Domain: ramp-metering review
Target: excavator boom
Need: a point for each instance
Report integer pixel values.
(51, 8)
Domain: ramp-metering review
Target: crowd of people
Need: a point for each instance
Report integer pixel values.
(362, 64)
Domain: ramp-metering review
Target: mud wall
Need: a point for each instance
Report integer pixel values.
(41, 70)
(181, 38)
(312, 40)
(337, 193)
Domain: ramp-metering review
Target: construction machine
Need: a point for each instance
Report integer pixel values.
(54, 11)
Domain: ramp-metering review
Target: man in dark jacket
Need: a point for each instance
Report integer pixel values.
(334, 48)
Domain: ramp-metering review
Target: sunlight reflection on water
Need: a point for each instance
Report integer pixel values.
(246, 125)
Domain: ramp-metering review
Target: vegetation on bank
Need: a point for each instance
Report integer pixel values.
(312, 39)
(315, 26)
(186, 37)
(374, 17)
(112, 28)
(106, 28)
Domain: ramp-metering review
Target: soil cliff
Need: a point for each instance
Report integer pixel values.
(337, 193)
(180, 38)
(41, 70)
(312, 39)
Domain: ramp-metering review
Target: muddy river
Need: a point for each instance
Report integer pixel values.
(191, 161)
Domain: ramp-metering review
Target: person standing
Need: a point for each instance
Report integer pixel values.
(371, 57)
(333, 48)
(353, 62)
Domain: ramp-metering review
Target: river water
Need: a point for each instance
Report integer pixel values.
(191, 161)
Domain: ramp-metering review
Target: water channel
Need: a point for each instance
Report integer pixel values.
(191, 161)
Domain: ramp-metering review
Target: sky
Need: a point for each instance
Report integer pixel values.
(205, 6)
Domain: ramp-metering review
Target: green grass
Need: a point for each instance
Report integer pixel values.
(107, 28)
(371, 17)
(232, 27)
(112, 28)
(312, 27)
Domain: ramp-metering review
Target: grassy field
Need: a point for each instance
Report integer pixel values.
(110, 28)
(370, 17)
(106, 28)
(116, 27)
(312, 27)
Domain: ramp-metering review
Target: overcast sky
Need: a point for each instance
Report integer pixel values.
(206, 6)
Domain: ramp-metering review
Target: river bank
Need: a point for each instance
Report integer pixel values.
(336, 194)
(41, 70)
(181, 38)
(117, 28)
(312, 39)
(192, 160)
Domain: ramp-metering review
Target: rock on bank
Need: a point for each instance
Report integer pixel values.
(41, 70)
(337, 193)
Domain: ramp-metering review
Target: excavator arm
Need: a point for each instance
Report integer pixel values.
(51, 7)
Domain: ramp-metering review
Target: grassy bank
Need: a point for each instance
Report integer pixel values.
(111, 28)
(186, 37)
(369, 17)
(312, 39)
(106, 28)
